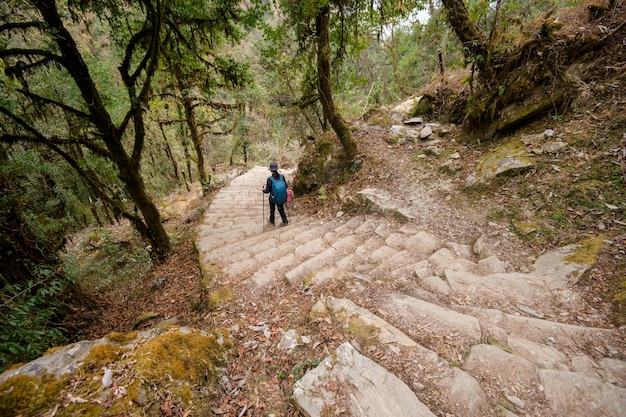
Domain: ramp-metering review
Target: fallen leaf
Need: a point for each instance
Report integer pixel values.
(166, 408)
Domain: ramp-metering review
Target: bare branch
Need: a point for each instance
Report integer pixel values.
(21, 67)
(4, 53)
(21, 25)
(63, 106)
(37, 137)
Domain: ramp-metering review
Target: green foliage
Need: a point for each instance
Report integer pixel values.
(300, 368)
(322, 195)
(28, 314)
(107, 260)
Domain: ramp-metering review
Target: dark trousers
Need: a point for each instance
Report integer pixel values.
(281, 211)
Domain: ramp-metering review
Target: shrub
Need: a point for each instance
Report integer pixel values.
(27, 317)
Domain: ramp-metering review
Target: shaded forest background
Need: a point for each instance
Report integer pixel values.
(108, 107)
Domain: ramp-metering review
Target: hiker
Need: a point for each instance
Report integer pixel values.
(276, 186)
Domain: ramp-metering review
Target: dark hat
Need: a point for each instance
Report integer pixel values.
(273, 166)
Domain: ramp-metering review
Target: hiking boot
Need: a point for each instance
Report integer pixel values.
(283, 224)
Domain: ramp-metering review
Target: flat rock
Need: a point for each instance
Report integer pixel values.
(444, 259)
(398, 134)
(351, 382)
(414, 121)
(422, 243)
(574, 395)
(540, 330)
(507, 159)
(514, 287)
(614, 371)
(491, 265)
(541, 355)
(433, 318)
(556, 270)
(489, 362)
(464, 394)
(346, 311)
(379, 201)
(426, 132)
(62, 361)
(436, 285)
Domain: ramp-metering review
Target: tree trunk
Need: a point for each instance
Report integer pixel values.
(473, 40)
(128, 170)
(341, 128)
(168, 151)
(196, 138)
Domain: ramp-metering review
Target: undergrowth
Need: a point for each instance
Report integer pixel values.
(29, 322)
(104, 261)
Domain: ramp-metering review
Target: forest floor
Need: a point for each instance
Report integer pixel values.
(567, 197)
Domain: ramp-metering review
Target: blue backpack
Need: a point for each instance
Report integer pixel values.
(279, 189)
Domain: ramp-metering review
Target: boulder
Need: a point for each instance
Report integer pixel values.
(407, 107)
(379, 201)
(509, 159)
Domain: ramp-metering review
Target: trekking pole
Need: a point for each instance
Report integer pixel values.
(263, 202)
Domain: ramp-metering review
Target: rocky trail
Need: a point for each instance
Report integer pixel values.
(409, 303)
(388, 319)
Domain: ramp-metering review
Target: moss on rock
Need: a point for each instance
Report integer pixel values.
(28, 395)
(220, 296)
(180, 363)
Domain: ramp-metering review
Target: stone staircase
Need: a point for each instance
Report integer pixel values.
(462, 333)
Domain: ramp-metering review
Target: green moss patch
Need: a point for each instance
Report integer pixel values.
(360, 329)
(183, 356)
(221, 296)
(29, 395)
(122, 338)
(178, 367)
(587, 254)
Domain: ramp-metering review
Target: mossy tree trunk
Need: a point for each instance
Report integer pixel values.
(473, 40)
(531, 75)
(339, 125)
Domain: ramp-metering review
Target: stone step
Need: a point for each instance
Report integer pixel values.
(359, 260)
(399, 260)
(575, 395)
(250, 233)
(433, 319)
(319, 261)
(567, 336)
(274, 270)
(223, 227)
(324, 259)
(349, 225)
(508, 288)
(210, 242)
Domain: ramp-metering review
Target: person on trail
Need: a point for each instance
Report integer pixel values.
(276, 187)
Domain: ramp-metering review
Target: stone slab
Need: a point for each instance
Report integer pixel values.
(574, 395)
(434, 318)
(351, 382)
